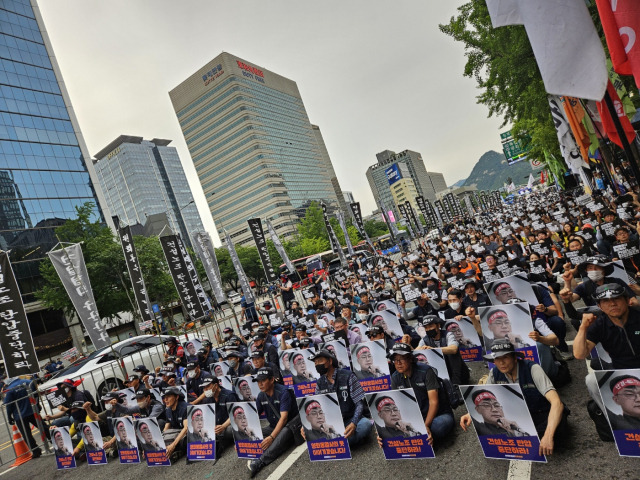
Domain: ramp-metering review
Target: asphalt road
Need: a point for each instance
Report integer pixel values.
(579, 455)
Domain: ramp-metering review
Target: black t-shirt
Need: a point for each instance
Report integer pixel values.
(621, 343)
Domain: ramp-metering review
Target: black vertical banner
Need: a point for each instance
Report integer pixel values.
(415, 219)
(357, 215)
(201, 295)
(181, 276)
(255, 225)
(135, 274)
(327, 225)
(444, 215)
(431, 224)
(16, 343)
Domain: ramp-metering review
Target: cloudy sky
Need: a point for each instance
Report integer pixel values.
(373, 75)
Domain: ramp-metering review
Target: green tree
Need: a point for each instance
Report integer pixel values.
(105, 265)
(155, 270)
(375, 228)
(312, 225)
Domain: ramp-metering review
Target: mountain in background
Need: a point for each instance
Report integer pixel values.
(492, 171)
(459, 183)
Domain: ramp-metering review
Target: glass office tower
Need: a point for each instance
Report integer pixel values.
(140, 178)
(253, 147)
(44, 173)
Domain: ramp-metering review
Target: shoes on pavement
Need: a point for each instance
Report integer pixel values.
(36, 453)
(254, 467)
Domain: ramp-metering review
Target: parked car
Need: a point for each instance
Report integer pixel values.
(102, 370)
(234, 297)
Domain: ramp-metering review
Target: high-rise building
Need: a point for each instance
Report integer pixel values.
(348, 197)
(44, 168)
(426, 184)
(331, 173)
(402, 186)
(141, 178)
(253, 147)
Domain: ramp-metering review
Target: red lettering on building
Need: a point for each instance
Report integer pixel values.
(249, 68)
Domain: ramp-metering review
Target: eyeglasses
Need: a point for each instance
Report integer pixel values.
(500, 323)
(241, 417)
(389, 410)
(316, 413)
(630, 394)
(491, 405)
(366, 356)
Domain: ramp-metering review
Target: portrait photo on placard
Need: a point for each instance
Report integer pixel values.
(340, 351)
(303, 369)
(620, 392)
(369, 360)
(91, 436)
(126, 441)
(389, 305)
(220, 369)
(201, 423)
(512, 322)
(286, 369)
(246, 389)
(321, 417)
(465, 334)
(149, 435)
(396, 414)
(62, 444)
(361, 329)
(510, 288)
(245, 422)
(191, 348)
(128, 397)
(435, 359)
(388, 321)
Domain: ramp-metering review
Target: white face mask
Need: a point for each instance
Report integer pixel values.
(233, 363)
(191, 374)
(169, 365)
(108, 406)
(208, 393)
(595, 275)
(362, 316)
(454, 305)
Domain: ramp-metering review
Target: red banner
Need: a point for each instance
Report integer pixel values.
(607, 119)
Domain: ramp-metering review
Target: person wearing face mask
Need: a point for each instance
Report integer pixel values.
(68, 414)
(362, 315)
(214, 393)
(456, 308)
(237, 367)
(436, 337)
(350, 395)
(597, 269)
(146, 406)
(195, 376)
(341, 330)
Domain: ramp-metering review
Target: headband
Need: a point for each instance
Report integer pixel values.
(311, 406)
(361, 351)
(237, 412)
(484, 396)
(500, 287)
(197, 411)
(624, 383)
(496, 315)
(454, 325)
(386, 401)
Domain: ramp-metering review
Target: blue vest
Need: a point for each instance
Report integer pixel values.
(536, 402)
(341, 387)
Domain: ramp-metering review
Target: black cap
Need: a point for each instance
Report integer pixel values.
(209, 380)
(172, 391)
(227, 330)
(400, 349)
(609, 290)
(132, 377)
(141, 369)
(263, 374)
(324, 353)
(429, 319)
(171, 339)
(255, 338)
(143, 392)
(256, 354)
(301, 328)
(77, 404)
(306, 341)
(205, 342)
(286, 325)
(192, 365)
(500, 348)
(374, 331)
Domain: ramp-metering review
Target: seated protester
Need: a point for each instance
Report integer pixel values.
(436, 293)
(133, 381)
(301, 332)
(258, 361)
(238, 344)
(227, 333)
(350, 395)
(605, 242)
(341, 330)
(437, 337)
(215, 394)
(547, 276)
(204, 361)
(597, 270)
(456, 308)
(166, 378)
(174, 349)
(147, 406)
(278, 404)
(617, 329)
(424, 306)
(269, 339)
(474, 296)
(175, 429)
(173, 363)
(631, 263)
(548, 412)
(362, 314)
(548, 312)
(211, 353)
(260, 344)
(71, 411)
(377, 333)
(435, 409)
(195, 377)
(237, 365)
(346, 313)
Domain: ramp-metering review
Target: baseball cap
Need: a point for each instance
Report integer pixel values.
(172, 391)
(429, 319)
(400, 349)
(310, 312)
(143, 392)
(192, 365)
(256, 354)
(609, 290)
(227, 330)
(141, 369)
(77, 404)
(324, 353)
(375, 330)
(208, 381)
(306, 341)
(500, 348)
(132, 377)
(67, 382)
(263, 374)
(301, 328)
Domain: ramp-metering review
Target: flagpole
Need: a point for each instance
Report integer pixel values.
(623, 137)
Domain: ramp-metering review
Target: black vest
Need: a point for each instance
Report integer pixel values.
(341, 387)
(536, 402)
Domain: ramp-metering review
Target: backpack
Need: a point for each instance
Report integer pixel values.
(452, 392)
(602, 424)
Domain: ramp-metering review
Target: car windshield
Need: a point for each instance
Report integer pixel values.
(78, 364)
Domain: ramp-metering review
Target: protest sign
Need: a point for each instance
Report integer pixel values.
(126, 441)
(388, 321)
(303, 370)
(245, 425)
(246, 388)
(509, 288)
(323, 427)
(63, 448)
(151, 442)
(467, 337)
(512, 322)
(201, 427)
(93, 445)
(370, 366)
(340, 351)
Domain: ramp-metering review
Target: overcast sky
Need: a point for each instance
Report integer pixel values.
(373, 75)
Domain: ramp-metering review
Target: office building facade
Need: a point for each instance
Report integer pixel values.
(44, 168)
(348, 197)
(141, 178)
(426, 183)
(330, 171)
(253, 147)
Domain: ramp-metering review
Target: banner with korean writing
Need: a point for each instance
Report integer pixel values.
(180, 275)
(135, 274)
(502, 422)
(255, 226)
(151, 442)
(414, 217)
(343, 226)
(405, 216)
(15, 336)
(69, 264)
(242, 277)
(201, 295)
(280, 248)
(206, 252)
(620, 390)
(333, 239)
(357, 216)
(399, 424)
(245, 426)
(323, 427)
(63, 448)
(93, 444)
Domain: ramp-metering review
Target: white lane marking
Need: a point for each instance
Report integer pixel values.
(287, 462)
(519, 470)
(7, 470)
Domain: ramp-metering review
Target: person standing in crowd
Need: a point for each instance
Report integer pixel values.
(21, 412)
